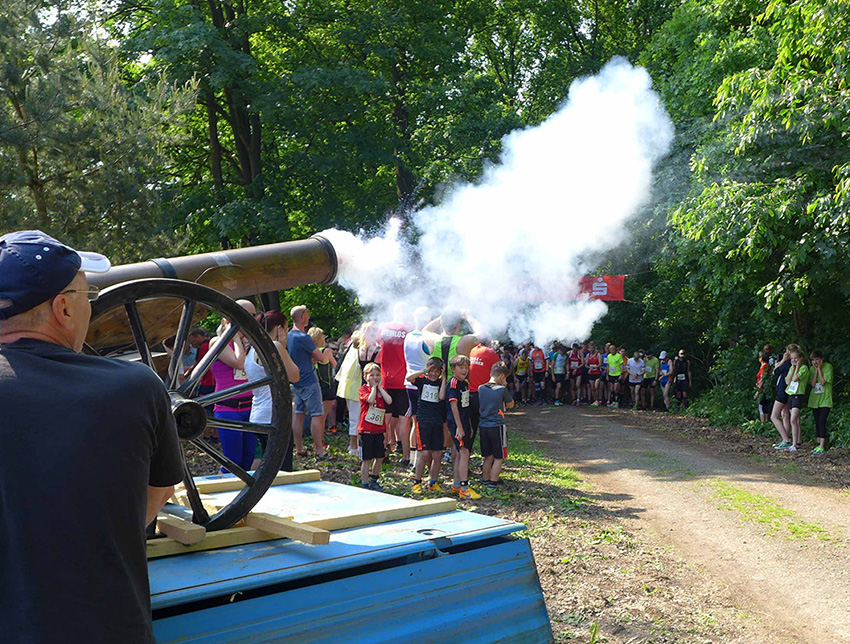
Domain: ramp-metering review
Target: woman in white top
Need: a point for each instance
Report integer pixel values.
(277, 326)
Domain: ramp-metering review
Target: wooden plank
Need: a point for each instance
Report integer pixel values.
(245, 535)
(229, 485)
(287, 528)
(356, 520)
(182, 531)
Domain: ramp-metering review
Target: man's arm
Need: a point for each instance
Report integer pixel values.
(434, 325)
(157, 498)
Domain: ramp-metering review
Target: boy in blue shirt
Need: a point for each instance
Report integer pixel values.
(493, 399)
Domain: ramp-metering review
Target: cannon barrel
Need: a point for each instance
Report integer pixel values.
(240, 272)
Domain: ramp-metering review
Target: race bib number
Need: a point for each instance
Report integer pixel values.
(375, 415)
(574, 365)
(538, 364)
(680, 377)
(818, 388)
(239, 374)
(430, 393)
(793, 387)
(464, 398)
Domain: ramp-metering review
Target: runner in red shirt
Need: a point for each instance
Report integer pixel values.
(481, 360)
(538, 370)
(393, 379)
(575, 363)
(374, 401)
(594, 374)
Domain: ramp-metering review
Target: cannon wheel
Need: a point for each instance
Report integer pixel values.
(189, 415)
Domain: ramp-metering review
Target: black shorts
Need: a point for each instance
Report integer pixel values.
(429, 438)
(413, 400)
(468, 438)
(400, 406)
(560, 377)
(574, 376)
(639, 383)
(510, 379)
(796, 402)
(494, 442)
(328, 393)
(593, 376)
(649, 383)
(781, 396)
(372, 446)
(682, 385)
(521, 378)
(539, 376)
(613, 379)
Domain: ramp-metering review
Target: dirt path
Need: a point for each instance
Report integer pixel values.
(771, 544)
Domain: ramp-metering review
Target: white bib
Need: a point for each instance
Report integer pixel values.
(818, 388)
(375, 415)
(239, 374)
(430, 393)
(538, 364)
(680, 376)
(793, 387)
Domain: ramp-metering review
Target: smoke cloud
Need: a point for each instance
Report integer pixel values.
(512, 247)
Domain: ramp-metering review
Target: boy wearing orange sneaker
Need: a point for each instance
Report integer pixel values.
(460, 426)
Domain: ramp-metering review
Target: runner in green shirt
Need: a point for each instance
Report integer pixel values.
(650, 376)
(615, 368)
(820, 400)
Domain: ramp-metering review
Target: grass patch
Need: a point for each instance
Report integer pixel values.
(525, 463)
(762, 509)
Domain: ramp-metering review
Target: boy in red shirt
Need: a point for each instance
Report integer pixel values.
(374, 400)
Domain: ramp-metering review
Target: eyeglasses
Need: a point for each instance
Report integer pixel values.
(92, 292)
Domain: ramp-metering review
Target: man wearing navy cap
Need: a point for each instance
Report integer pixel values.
(88, 455)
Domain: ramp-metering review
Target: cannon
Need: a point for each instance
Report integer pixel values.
(141, 305)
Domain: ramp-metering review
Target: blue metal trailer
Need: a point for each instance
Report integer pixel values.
(449, 577)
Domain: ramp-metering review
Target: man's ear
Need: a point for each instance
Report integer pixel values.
(61, 312)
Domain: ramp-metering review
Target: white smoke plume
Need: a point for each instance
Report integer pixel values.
(512, 247)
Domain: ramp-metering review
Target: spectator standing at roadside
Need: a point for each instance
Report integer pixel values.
(764, 387)
(780, 416)
(306, 393)
(796, 383)
(820, 400)
(324, 372)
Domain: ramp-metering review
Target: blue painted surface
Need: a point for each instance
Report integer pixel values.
(487, 595)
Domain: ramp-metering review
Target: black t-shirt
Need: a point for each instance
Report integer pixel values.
(430, 411)
(458, 390)
(81, 438)
(780, 372)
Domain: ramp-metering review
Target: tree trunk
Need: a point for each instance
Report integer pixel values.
(215, 144)
(403, 176)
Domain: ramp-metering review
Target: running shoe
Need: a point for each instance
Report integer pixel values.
(469, 493)
(818, 450)
(417, 488)
(781, 445)
(456, 490)
(436, 487)
(616, 405)
(595, 403)
(557, 403)
(790, 448)
(377, 487)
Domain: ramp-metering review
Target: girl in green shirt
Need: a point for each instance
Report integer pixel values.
(820, 400)
(795, 386)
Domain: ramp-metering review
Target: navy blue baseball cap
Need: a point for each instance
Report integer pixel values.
(34, 268)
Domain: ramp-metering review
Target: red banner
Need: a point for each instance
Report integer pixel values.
(603, 287)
